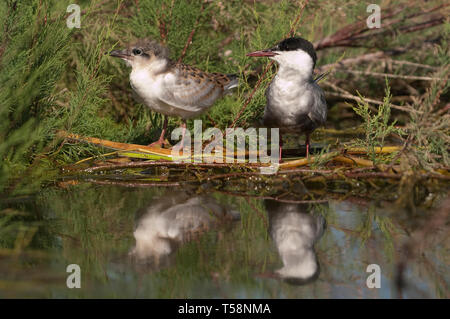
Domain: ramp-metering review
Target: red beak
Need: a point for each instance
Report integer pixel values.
(266, 53)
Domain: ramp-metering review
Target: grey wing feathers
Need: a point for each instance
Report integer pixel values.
(190, 92)
(319, 110)
(194, 89)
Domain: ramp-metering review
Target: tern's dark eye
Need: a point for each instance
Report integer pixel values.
(275, 48)
(137, 51)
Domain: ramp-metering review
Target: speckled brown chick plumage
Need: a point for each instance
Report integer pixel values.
(172, 88)
(169, 87)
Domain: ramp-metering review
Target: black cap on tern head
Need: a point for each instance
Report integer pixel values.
(289, 44)
(292, 44)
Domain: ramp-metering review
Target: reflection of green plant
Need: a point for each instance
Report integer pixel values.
(375, 221)
(8, 229)
(365, 230)
(21, 228)
(387, 228)
(376, 125)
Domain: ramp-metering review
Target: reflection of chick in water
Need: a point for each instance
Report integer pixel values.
(294, 231)
(172, 220)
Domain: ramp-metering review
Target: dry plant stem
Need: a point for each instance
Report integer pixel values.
(297, 20)
(145, 164)
(299, 162)
(261, 78)
(388, 75)
(352, 34)
(370, 57)
(133, 184)
(319, 201)
(163, 31)
(445, 109)
(230, 175)
(353, 160)
(364, 172)
(351, 61)
(397, 156)
(347, 95)
(357, 98)
(191, 35)
(115, 145)
(424, 25)
(345, 35)
(378, 150)
(357, 173)
(339, 158)
(424, 66)
(311, 172)
(94, 157)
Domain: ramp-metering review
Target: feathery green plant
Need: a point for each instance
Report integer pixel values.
(32, 59)
(377, 125)
(54, 78)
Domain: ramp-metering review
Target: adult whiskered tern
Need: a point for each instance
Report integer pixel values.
(171, 88)
(295, 102)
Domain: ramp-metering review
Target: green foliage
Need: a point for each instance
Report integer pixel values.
(32, 60)
(376, 124)
(323, 157)
(86, 101)
(429, 128)
(55, 79)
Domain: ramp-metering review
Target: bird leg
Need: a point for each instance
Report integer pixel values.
(160, 142)
(307, 144)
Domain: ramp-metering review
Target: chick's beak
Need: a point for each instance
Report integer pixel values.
(262, 53)
(123, 54)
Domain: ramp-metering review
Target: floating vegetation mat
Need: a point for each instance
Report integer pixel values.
(341, 172)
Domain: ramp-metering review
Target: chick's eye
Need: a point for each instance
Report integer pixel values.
(137, 51)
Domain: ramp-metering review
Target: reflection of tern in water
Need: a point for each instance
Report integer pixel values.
(294, 230)
(172, 220)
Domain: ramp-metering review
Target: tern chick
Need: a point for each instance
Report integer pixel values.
(295, 102)
(171, 88)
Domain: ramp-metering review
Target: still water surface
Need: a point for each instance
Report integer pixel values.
(170, 243)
